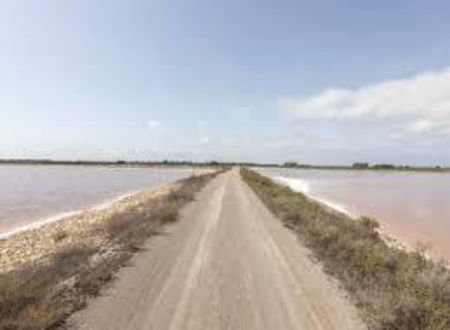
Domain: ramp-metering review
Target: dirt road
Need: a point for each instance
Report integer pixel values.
(227, 264)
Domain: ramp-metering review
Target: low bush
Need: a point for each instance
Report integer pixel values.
(60, 235)
(394, 289)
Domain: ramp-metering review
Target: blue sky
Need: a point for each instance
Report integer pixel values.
(271, 81)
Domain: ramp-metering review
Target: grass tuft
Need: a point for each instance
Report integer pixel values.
(59, 235)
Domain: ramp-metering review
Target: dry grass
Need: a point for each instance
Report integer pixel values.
(40, 295)
(60, 235)
(393, 289)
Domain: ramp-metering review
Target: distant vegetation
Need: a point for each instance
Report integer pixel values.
(367, 166)
(211, 163)
(105, 163)
(394, 289)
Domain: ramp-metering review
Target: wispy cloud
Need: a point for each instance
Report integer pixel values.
(423, 126)
(204, 139)
(421, 103)
(155, 125)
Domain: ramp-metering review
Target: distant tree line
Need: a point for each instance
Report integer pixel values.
(396, 167)
(215, 163)
(367, 166)
(106, 163)
(121, 162)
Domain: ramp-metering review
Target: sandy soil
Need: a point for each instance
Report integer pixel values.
(38, 244)
(227, 264)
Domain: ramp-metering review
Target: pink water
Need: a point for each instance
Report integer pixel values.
(32, 193)
(413, 206)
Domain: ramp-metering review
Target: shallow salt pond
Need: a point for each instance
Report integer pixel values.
(413, 206)
(29, 194)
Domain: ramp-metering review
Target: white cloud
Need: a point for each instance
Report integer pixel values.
(421, 103)
(154, 125)
(204, 139)
(422, 126)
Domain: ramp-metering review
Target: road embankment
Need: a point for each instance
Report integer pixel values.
(393, 288)
(49, 272)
